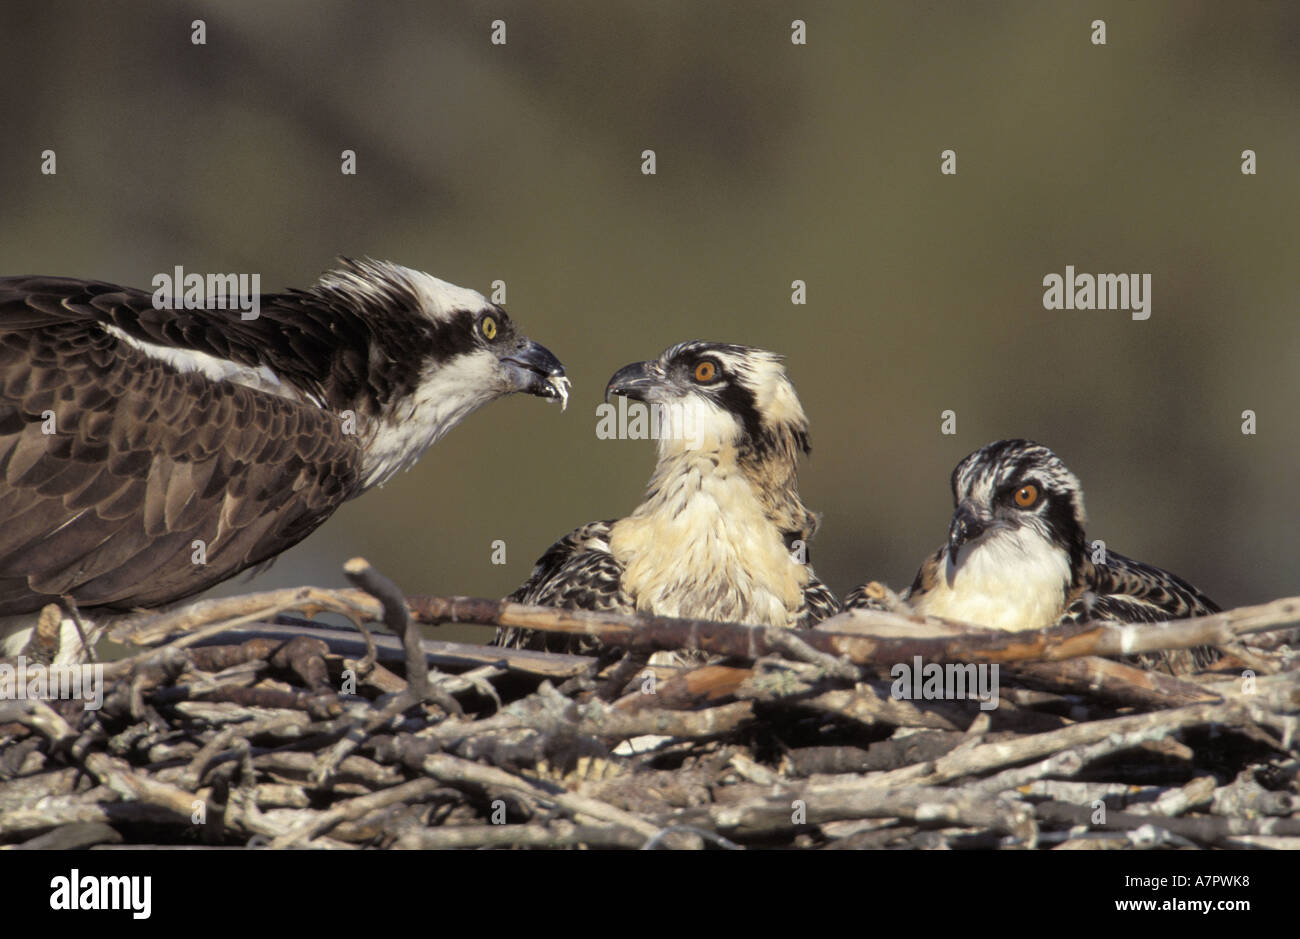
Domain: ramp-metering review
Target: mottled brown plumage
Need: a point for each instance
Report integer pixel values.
(145, 460)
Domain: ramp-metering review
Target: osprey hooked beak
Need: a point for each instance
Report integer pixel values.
(534, 369)
(967, 525)
(638, 381)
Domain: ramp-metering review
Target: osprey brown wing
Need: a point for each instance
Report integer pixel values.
(1130, 591)
(578, 572)
(113, 463)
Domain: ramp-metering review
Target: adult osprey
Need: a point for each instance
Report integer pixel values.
(148, 453)
(722, 533)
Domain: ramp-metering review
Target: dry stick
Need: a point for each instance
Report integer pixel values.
(453, 731)
(73, 837)
(1204, 829)
(1273, 641)
(556, 834)
(221, 742)
(118, 776)
(1066, 763)
(312, 702)
(612, 685)
(867, 706)
(398, 620)
(1130, 796)
(882, 755)
(1176, 801)
(597, 719)
(328, 762)
(790, 643)
(774, 814)
(1090, 675)
(653, 633)
(1245, 797)
(304, 657)
(39, 716)
(708, 684)
(300, 764)
(1260, 686)
(702, 833)
(348, 642)
(214, 629)
(167, 658)
(218, 658)
(991, 756)
(600, 720)
(111, 771)
(456, 771)
(76, 810)
(242, 811)
(50, 784)
(1113, 681)
(478, 679)
(1271, 842)
(1259, 663)
(354, 604)
(321, 822)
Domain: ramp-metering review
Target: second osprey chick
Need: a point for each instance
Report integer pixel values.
(722, 533)
(1016, 557)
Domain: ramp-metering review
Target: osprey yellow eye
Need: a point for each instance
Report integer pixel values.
(705, 371)
(1026, 496)
(488, 326)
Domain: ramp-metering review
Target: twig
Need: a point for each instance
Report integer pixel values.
(773, 814)
(991, 756)
(654, 633)
(397, 618)
(554, 834)
(455, 771)
(1209, 830)
(321, 822)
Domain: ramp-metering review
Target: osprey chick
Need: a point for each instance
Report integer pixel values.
(147, 454)
(1016, 556)
(722, 532)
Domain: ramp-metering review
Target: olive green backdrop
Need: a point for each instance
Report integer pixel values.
(776, 162)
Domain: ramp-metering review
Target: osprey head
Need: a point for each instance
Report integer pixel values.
(1015, 488)
(451, 325)
(436, 353)
(715, 395)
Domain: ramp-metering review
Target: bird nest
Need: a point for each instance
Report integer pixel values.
(241, 725)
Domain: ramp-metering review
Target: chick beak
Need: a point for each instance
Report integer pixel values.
(967, 525)
(637, 381)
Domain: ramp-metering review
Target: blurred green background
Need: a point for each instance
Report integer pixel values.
(776, 162)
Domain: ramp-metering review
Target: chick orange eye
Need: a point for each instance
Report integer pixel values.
(1026, 496)
(489, 328)
(705, 371)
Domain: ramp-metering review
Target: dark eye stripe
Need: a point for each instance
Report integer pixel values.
(453, 336)
(739, 400)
